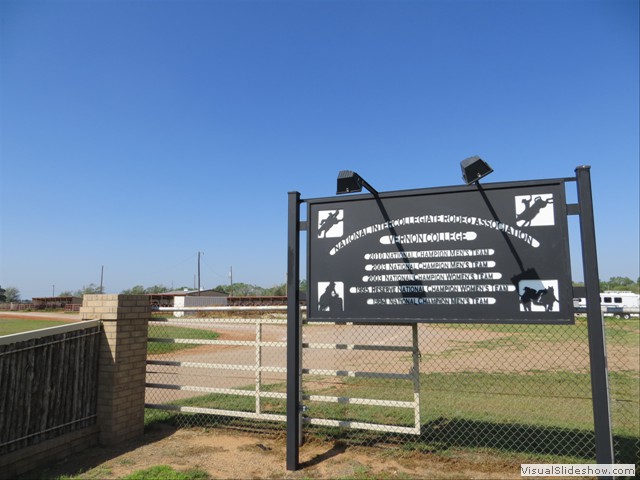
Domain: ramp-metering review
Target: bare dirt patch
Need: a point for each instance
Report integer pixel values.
(225, 453)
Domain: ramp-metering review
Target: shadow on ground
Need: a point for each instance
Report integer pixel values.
(96, 456)
(445, 433)
(437, 437)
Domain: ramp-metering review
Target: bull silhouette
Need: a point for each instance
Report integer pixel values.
(545, 297)
(531, 209)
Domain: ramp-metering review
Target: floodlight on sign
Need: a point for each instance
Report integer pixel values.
(351, 182)
(473, 169)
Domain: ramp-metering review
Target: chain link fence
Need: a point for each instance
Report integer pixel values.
(517, 389)
(217, 369)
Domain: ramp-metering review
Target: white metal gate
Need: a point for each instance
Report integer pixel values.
(371, 353)
(184, 371)
(248, 360)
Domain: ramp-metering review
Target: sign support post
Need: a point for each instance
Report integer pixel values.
(446, 255)
(595, 322)
(293, 332)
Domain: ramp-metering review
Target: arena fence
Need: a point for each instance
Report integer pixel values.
(518, 389)
(242, 374)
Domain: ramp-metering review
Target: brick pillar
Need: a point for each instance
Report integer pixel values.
(123, 353)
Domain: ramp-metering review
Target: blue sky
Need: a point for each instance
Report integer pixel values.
(136, 133)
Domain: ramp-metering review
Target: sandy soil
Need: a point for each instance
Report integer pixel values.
(226, 453)
(229, 453)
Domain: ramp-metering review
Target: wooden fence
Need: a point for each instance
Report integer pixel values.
(48, 383)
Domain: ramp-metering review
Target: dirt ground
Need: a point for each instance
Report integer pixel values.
(231, 453)
(224, 453)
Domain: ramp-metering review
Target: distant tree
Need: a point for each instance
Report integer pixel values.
(620, 283)
(66, 293)
(90, 289)
(135, 290)
(156, 289)
(11, 294)
(222, 288)
(140, 290)
(244, 289)
(276, 290)
(240, 289)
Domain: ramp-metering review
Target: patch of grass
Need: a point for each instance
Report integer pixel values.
(9, 326)
(97, 473)
(360, 472)
(363, 472)
(623, 332)
(240, 402)
(511, 342)
(560, 400)
(542, 415)
(620, 332)
(165, 472)
(153, 417)
(167, 331)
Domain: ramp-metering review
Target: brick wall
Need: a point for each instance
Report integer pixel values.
(21, 461)
(123, 353)
(121, 384)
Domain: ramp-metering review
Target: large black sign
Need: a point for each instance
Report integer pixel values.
(479, 253)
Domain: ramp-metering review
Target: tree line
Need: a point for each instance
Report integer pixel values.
(237, 289)
(12, 294)
(624, 284)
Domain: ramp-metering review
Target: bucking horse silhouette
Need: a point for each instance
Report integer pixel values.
(327, 223)
(531, 210)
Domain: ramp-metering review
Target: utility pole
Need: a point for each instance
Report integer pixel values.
(53, 292)
(101, 278)
(231, 281)
(199, 253)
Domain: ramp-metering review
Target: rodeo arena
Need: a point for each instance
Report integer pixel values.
(435, 320)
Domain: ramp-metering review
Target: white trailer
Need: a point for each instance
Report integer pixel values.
(622, 304)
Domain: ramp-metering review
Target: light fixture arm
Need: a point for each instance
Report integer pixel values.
(350, 182)
(366, 185)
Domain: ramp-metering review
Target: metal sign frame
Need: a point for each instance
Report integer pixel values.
(595, 323)
(495, 253)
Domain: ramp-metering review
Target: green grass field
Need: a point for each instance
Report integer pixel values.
(538, 412)
(165, 331)
(528, 413)
(541, 399)
(9, 326)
